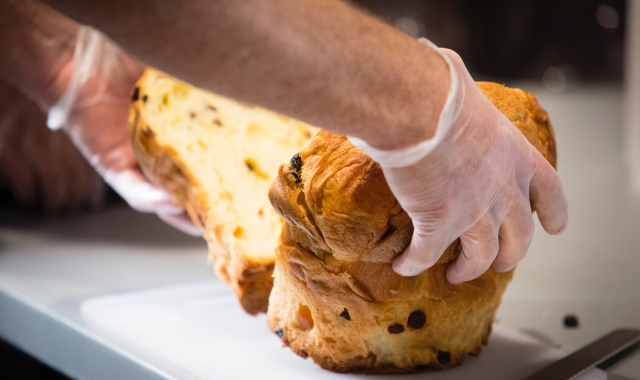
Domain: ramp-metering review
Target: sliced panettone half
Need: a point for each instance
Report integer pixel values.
(217, 158)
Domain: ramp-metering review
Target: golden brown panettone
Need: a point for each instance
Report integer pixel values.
(217, 158)
(336, 297)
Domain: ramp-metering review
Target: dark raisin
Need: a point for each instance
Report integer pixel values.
(217, 122)
(136, 94)
(345, 314)
(571, 321)
(145, 98)
(297, 177)
(417, 319)
(395, 328)
(296, 162)
(280, 332)
(444, 357)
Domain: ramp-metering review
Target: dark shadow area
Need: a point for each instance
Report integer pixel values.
(616, 360)
(502, 39)
(116, 223)
(17, 365)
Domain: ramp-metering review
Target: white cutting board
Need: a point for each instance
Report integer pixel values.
(200, 328)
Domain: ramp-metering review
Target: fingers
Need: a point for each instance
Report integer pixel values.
(138, 192)
(479, 249)
(144, 197)
(423, 252)
(516, 233)
(182, 222)
(548, 197)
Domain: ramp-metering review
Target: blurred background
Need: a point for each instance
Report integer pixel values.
(559, 43)
(570, 53)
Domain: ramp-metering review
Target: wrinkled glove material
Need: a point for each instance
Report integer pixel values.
(93, 111)
(476, 179)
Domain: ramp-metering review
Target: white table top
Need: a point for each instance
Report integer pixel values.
(47, 268)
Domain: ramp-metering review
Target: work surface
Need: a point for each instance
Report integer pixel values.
(48, 268)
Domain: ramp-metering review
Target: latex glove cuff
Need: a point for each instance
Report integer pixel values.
(93, 52)
(409, 155)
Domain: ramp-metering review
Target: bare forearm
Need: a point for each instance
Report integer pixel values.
(320, 61)
(36, 42)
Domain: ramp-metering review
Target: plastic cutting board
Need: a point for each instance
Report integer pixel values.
(200, 328)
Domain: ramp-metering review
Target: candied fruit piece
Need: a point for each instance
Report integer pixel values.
(304, 317)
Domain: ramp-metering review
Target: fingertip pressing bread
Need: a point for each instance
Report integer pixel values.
(336, 297)
(217, 158)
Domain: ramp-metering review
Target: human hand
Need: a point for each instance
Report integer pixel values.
(93, 111)
(42, 167)
(476, 179)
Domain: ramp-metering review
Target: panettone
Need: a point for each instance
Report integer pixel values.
(336, 297)
(217, 158)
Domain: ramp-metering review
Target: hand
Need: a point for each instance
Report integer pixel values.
(43, 168)
(94, 110)
(476, 179)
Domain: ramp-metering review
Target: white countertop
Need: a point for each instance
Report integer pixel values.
(47, 268)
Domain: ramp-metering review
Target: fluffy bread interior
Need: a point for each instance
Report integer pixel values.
(218, 157)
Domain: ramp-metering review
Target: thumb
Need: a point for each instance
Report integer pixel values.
(181, 221)
(423, 252)
(141, 195)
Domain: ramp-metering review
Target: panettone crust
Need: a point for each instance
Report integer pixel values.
(336, 297)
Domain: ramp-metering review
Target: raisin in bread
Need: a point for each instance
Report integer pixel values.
(336, 297)
(218, 158)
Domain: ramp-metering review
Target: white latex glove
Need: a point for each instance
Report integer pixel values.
(94, 111)
(476, 179)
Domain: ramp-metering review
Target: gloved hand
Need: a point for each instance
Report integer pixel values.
(42, 168)
(94, 110)
(475, 180)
